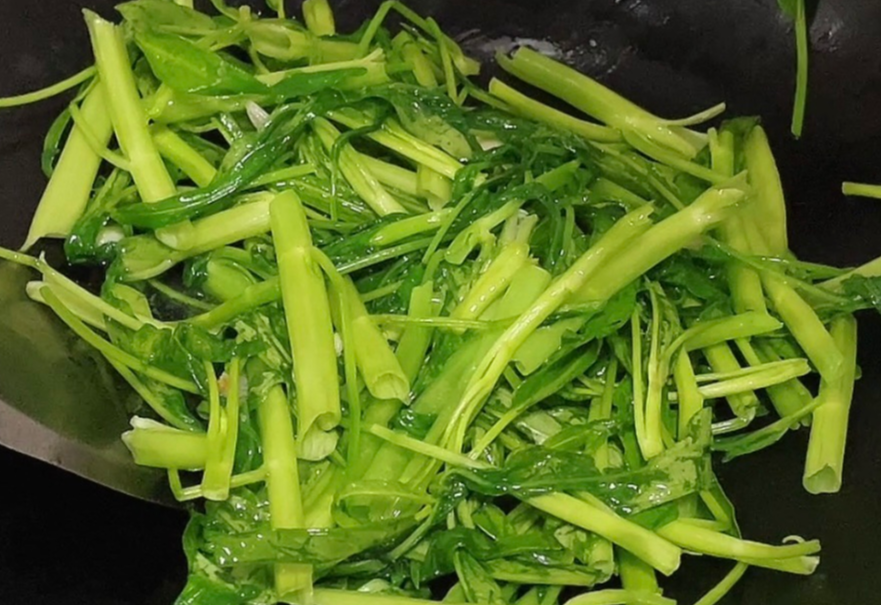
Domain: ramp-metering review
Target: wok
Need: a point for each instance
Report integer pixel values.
(68, 540)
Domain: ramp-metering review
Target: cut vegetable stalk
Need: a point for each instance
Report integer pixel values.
(307, 310)
(379, 367)
(219, 467)
(722, 360)
(691, 401)
(825, 459)
(648, 546)
(530, 108)
(282, 484)
(861, 190)
(500, 355)
(67, 194)
(658, 243)
(221, 229)
(416, 339)
(596, 100)
(767, 209)
(716, 544)
(177, 151)
(787, 398)
(319, 17)
(125, 109)
(392, 135)
(160, 446)
(807, 328)
(408, 227)
(356, 173)
(493, 282)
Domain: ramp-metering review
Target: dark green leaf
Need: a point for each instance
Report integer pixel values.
(320, 547)
(186, 67)
(537, 470)
(145, 14)
(551, 378)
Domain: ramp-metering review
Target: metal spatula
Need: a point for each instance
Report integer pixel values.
(59, 402)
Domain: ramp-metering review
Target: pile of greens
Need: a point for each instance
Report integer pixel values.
(399, 336)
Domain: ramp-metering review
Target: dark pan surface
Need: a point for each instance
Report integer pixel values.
(65, 540)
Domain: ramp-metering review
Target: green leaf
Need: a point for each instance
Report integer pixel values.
(479, 585)
(790, 7)
(553, 377)
(299, 84)
(534, 471)
(186, 67)
(866, 290)
(158, 14)
(323, 548)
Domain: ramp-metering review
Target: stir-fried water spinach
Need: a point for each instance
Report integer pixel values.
(401, 337)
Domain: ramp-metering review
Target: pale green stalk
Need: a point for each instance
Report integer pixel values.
(156, 445)
(601, 409)
(416, 339)
(393, 233)
(652, 442)
(596, 100)
(77, 306)
(530, 108)
(283, 484)
(307, 310)
(492, 283)
(585, 268)
(718, 592)
(807, 328)
(379, 367)
(319, 17)
(618, 596)
(251, 297)
(712, 332)
(180, 153)
(636, 575)
(723, 360)
(433, 186)
(126, 110)
(393, 136)
(70, 186)
(645, 544)
(743, 281)
(218, 470)
(661, 241)
(221, 229)
(49, 91)
(603, 188)
(418, 62)
(356, 172)
(691, 401)
(861, 190)
(787, 398)
(391, 175)
(759, 379)
(716, 544)
(768, 207)
(226, 280)
(825, 458)
(479, 233)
